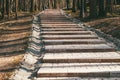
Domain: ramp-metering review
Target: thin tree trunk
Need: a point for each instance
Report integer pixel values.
(55, 4)
(67, 3)
(78, 4)
(3, 12)
(74, 6)
(16, 9)
(93, 8)
(8, 8)
(109, 6)
(102, 11)
(82, 14)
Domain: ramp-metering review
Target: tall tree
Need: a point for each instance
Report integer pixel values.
(2, 10)
(32, 6)
(8, 8)
(16, 8)
(78, 4)
(55, 4)
(102, 11)
(109, 6)
(82, 14)
(74, 6)
(68, 4)
(93, 8)
(85, 5)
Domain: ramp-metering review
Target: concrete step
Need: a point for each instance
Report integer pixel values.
(73, 41)
(88, 57)
(78, 48)
(79, 70)
(65, 32)
(78, 78)
(63, 29)
(54, 37)
(61, 26)
(57, 22)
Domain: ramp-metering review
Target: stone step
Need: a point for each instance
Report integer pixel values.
(73, 41)
(58, 24)
(78, 48)
(63, 29)
(78, 78)
(69, 37)
(88, 57)
(66, 32)
(53, 16)
(79, 70)
(56, 20)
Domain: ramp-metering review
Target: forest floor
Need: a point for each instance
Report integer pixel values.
(13, 43)
(109, 25)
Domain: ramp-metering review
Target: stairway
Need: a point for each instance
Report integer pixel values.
(71, 52)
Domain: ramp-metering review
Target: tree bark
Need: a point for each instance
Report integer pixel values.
(109, 6)
(82, 14)
(93, 8)
(55, 4)
(67, 3)
(16, 9)
(102, 11)
(74, 6)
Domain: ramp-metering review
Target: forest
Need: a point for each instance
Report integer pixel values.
(16, 23)
(91, 8)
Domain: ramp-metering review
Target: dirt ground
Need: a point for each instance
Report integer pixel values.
(14, 36)
(109, 25)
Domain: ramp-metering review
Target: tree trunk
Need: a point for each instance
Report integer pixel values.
(85, 6)
(32, 6)
(78, 4)
(16, 9)
(102, 11)
(8, 8)
(67, 3)
(82, 14)
(3, 12)
(55, 4)
(109, 6)
(74, 6)
(93, 8)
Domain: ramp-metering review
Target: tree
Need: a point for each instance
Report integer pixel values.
(74, 6)
(78, 4)
(55, 4)
(93, 8)
(16, 8)
(8, 8)
(32, 6)
(67, 3)
(2, 10)
(109, 6)
(102, 11)
(82, 14)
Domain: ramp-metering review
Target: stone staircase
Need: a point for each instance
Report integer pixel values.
(73, 53)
